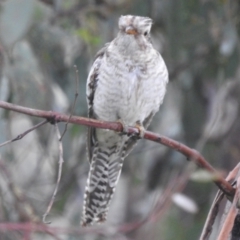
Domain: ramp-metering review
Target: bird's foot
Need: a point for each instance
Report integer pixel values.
(141, 130)
(124, 127)
(139, 126)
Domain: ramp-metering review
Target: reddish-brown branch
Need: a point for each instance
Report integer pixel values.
(191, 154)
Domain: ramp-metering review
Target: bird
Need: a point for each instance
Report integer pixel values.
(126, 83)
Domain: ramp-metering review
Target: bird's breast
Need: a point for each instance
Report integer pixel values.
(127, 91)
(134, 103)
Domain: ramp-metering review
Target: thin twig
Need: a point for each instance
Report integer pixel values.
(212, 214)
(191, 154)
(75, 100)
(60, 163)
(20, 136)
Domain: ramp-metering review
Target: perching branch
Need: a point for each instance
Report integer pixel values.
(191, 154)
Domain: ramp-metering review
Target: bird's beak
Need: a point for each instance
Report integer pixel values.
(131, 31)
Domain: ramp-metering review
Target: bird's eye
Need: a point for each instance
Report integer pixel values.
(145, 33)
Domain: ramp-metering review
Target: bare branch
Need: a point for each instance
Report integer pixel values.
(191, 154)
(60, 163)
(20, 136)
(208, 226)
(228, 221)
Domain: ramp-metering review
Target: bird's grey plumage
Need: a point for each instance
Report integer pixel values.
(127, 82)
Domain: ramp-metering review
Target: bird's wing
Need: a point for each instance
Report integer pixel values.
(91, 87)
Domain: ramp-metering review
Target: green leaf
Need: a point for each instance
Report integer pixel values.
(87, 36)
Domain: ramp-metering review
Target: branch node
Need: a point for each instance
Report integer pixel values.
(52, 120)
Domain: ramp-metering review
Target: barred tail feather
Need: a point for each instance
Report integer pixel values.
(103, 176)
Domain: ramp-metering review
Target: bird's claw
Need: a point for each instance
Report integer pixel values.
(124, 127)
(141, 130)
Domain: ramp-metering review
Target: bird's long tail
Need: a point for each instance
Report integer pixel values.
(104, 173)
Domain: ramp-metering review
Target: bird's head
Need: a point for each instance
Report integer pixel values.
(135, 25)
(134, 32)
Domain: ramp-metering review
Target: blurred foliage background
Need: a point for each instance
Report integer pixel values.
(41, 41)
